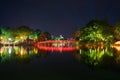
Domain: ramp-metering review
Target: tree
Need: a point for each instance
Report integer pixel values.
(42, 37)
(96, 30)
(37, 32)
(23, 32)
(77, 35)
(0, 35)
(0, 32)
(48, 35)
(116, 30)
(6, 33)
(34, 36)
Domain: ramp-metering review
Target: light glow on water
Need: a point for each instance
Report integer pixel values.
(56, 48)
(56, 45)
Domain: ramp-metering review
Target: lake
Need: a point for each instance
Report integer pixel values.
(31, 63)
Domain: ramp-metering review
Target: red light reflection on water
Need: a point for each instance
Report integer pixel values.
(60, 49)
(56, 45)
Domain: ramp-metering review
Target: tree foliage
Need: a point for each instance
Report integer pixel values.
(6, 33)
(23, 32)
(95, 30)
(116, 30)
(44, 36)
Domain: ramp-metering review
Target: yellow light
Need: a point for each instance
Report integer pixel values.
(1, 37)
(77, 47)
(35, 50)
(117, 48)
(116, 45)
(23, 51)
(77, 42)
(21, 37)
(118, 42)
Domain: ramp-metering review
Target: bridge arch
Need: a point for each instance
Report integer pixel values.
(56, 45)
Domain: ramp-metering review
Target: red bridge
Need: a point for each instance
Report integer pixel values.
(56, 45)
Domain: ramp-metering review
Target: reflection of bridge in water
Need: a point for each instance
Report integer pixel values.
(56, 45)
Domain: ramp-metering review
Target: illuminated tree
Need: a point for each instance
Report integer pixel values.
(23, 32)
(0, 35)
(95, 30)
(37, 32)
(48, 35)
(34, 36)
(6, 33)
(78, 34)
(0, 32)
(44, 36)
(116, 31)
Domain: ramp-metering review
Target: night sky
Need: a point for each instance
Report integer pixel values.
(57, 16)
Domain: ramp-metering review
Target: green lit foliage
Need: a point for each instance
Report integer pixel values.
(0, 35)
(23, 32)
(0, 32)
(48, 35)
(116, 31)
(117, 57)
(37, 32)
(95, 30)
(35, 35)
(78, 34)
(60, 37)
(96, 56)
(6, 33)
(44, 36)
(57, 38)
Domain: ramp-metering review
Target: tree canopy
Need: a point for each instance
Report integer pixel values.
(22, 34)
(116, 30)
(95, 30)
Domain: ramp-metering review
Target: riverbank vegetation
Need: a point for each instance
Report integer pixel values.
(22, 35)
(98, 32)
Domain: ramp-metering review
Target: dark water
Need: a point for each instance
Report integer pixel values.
(31, 63)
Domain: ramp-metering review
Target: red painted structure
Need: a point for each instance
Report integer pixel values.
(56, 45)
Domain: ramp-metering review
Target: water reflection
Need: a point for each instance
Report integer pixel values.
(93, 56)
(20, 54)
(117, 55)
(100, 57)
